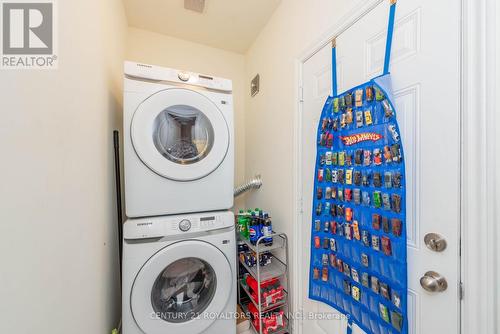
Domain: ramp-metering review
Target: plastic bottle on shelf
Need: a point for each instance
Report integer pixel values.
(247, 225)
(243, 224)
(261, 221)
(238, 221)
(254, 229)
(258, 214)
(267, 230)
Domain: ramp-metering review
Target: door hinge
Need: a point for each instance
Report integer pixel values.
(461, 291)
(301, 94)
(460, 247)
(301, 206)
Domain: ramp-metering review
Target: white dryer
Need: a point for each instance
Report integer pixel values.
(179, 274)
(178, 141)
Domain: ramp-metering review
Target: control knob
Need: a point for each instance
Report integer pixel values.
(184, 225)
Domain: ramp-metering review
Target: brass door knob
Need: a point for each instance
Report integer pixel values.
(433, 282)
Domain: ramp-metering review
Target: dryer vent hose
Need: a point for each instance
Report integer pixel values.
(254, 183)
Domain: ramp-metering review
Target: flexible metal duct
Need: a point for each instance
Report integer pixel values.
(254, 183)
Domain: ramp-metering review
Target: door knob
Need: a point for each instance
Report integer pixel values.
(433, 282)
(435, 242)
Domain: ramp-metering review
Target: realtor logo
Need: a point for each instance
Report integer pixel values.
(28, 34)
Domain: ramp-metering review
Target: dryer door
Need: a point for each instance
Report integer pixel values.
(181, 289)
(180, 134)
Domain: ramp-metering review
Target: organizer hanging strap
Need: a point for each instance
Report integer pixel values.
(349, 326)
(388, 48)
(390, 33)
(334, 67)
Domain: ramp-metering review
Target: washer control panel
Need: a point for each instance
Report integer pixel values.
(209, 222)
(157, 227)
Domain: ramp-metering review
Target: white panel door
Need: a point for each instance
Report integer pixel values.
(316, 88)
(425, 69)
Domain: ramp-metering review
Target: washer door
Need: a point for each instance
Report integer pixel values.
(180, 134)
(183, 287)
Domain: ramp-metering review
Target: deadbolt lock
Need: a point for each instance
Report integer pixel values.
(435, 242)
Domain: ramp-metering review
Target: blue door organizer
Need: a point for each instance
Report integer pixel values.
(358, 242)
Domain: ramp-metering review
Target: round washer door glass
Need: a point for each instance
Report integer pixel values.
(180, 134)
(183, 134)
(178, 283)
(183, 290)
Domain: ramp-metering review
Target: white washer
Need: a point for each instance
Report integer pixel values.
(179, 274)
(178, 141)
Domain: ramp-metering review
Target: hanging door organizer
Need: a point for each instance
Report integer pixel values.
(358, 242)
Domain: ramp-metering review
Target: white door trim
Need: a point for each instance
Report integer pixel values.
(480, 259)
(477, 169)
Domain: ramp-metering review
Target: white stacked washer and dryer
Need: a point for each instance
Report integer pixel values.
(179, 252)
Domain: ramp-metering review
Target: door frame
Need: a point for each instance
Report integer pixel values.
(477, 200)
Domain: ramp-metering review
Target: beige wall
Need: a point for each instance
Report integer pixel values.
(157, 49)
(58, 254)
(295, 25)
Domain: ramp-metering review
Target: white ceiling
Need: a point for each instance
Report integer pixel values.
(225, 24)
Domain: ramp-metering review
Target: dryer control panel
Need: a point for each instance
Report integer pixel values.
(158, 227)
(152, 72)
